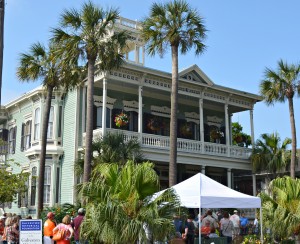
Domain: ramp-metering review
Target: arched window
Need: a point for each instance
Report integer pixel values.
(50, 124)
(37, 121)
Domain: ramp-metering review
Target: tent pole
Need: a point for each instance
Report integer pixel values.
(199, 234)
(261, 229)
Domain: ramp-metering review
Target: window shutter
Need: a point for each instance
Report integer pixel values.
(30, 123)
(14, 139)
(23, 137)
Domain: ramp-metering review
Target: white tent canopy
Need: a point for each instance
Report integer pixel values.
(201, 191)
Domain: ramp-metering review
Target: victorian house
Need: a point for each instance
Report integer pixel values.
(142, 95)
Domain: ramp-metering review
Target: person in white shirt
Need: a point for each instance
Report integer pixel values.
(213, 222)
(236, 224)
(255, 225)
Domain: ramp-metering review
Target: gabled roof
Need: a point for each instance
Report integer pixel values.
(194, 73)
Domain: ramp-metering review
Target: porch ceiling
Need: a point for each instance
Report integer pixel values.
(164, 94)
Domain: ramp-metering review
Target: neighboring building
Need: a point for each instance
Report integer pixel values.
(204, 126)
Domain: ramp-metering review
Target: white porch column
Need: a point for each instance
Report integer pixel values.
(203, 169)
(143, 55)
(137, 54)
(140, 119)
(227, 129)
(252, 127)
(254, 184)
(104, 106)
(229, 178)
(201, 123)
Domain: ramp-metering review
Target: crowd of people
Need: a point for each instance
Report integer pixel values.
(9, 228)
(70, 227)
(213, 225)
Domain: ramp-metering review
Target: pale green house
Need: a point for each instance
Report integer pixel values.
(204, 143)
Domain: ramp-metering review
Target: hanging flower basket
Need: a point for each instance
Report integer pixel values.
(238, 138)
(121, 120)
(186, 129)
(154, 124)
(216, 134)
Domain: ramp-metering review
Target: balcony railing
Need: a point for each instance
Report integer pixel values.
(183, 145)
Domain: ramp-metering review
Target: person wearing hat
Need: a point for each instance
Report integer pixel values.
(236, 224)
(76, 226)
(49, 225)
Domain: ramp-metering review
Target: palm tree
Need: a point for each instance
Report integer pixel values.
(120, 206)
(279, 86)
(41, 63)
(86, 35)
(112, 148)
(281, 207)
(177, 25)
(2, 11)
(269, 155)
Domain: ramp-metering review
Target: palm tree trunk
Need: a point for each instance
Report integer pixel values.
(41, 178)
(173, 121)
(2, 11)
(294, 139)
(89, 122)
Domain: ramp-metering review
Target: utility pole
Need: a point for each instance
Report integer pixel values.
(2, 5)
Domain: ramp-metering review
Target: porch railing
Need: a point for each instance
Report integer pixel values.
(183, 145)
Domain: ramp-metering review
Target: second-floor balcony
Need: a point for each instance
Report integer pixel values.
(151, 141)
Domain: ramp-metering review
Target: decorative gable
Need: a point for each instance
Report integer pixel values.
(195, 74)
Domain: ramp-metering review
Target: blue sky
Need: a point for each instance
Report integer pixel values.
(244, 38)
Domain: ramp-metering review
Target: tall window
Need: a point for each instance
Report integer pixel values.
(37, 121)
(60, 121)
(99, 117)
(47, 184)
(26, 136)
(133, 121)
(57, 185)
(50, 124)
(33, 186)
(12, 140)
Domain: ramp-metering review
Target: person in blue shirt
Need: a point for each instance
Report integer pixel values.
(177, 223)
(244, 224)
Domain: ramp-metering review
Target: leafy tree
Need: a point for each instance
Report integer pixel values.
(121, 207)
(281, 85)
(269, 154)
(174, 24)
(12, 184)
(43, 64)
(240, 138)
(86, 35)
(281, 212)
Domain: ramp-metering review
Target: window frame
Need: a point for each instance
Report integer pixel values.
(33, 186)
(47, 185)
(37, 123)
(50, 129)
(12, 140)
